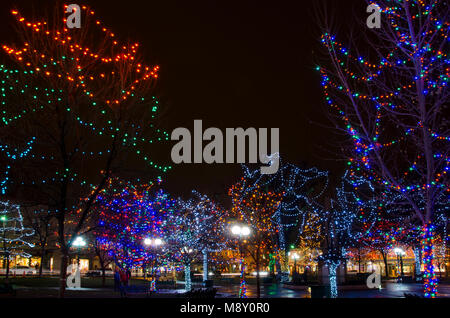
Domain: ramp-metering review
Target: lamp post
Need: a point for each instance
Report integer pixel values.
(241, 232)
(79, 242)
(3, 218)
(295, 257)
(153, 244)
(187, 259)
(400, 253)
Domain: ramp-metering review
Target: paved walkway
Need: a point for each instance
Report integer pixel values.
(389, 290)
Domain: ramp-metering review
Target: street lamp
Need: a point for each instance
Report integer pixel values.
(295, 257)
(154, 244)
(79, 242)
(241, 231)
(400, 253)
(4, 218)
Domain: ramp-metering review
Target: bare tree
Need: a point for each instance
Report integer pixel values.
(44, 228)
(104, 258)
(389, 91)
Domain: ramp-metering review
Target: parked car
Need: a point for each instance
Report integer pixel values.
(19, 270)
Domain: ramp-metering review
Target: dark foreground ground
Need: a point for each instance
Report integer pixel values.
(92, 288)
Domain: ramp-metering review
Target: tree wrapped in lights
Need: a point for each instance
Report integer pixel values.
(208, 218)
(380, 239)
(196, 228)
(253, 206)
(344, 221)
(309, 240)
(127, 215)
(392, 105)
(300, 189)
(86, 99)
(394, 225)
(13, 234)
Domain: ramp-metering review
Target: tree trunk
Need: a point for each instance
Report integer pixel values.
(359, 260)
(242, 285)
(440, 272)
(278, 266)
(429, 275)
(417, 265)
(103, 269)
(7, 267)
(205, 266)
(345, 270)
(284, 266)
(42, 261)
(187, 276)
(258, 278)
(63, 272)
(332, 268)
(386, 267)
(103, 277)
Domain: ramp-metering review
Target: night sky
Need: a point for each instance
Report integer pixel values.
(231, 64)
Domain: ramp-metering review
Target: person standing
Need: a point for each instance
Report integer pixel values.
(123, 282)
(116, 279)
